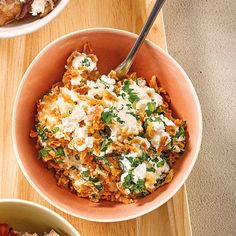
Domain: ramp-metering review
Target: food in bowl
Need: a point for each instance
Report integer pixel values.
(6, 230)
(15, 10)
(107, 137)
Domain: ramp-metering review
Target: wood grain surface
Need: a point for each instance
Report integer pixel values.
(15, 56)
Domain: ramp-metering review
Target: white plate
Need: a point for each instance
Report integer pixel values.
(23, 27)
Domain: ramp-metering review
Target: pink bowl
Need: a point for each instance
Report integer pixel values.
(111, 46)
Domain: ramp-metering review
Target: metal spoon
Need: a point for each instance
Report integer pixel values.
(124, 67)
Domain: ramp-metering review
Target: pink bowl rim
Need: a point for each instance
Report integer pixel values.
(36, 24)
(42, 208)
(156, 47)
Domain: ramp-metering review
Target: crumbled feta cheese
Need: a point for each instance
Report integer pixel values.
(122, 177)
(81, 132)
(130, 124)
(89, 142)
(70, 123)
(107, 80)
(139, 172)
(160, 132)
(70, 93)
(146, 93)
(167, 121)
(76, 80)
(96, 88)
(80, 148)
(63, 106)
(126, 164)
(141, 82)
(114, 133)
(83, 60)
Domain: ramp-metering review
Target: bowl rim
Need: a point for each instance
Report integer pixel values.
(43, 208)
(37, 24)
(185, 176)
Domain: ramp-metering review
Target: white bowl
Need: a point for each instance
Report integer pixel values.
(25, 216)
(27, 26)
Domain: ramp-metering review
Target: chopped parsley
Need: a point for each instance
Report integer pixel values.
(126, 87)
(41, 133)
(160, 163)
(142, 134)
(128, 105)
(145, 157)
(44, 152)
(181, 131)
(152, 119)
(107, 116)
(85, 173)
(135, 161)
(151, 169)
(104, 144)
(85, 62)
(127, 181)
(98, 186)
(137, 188)
(118, 119)
(103, 159)
(93, 179)
(56, 129)
(59, 151)
(132, 96)
(151, 107)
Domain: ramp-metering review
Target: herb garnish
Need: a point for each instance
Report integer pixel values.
(85, 62)
(85, 173)
(106, 116)
(41, 133)
(151, 107)
(44, 152)
(181, 131)
(137, 188)
(151, 169)
(104, 144)
(103, 159)
(59, 151)
(132, 96)
(56, 129)
(98, 186)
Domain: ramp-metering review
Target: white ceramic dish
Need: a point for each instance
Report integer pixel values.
(25, 216)
(28, 26)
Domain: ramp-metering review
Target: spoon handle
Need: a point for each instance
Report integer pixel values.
(124, 67)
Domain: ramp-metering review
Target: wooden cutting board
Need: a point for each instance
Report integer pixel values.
(15, 56)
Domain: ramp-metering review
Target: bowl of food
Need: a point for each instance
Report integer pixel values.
(37, 220)
(101, 147)
(20, 17)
